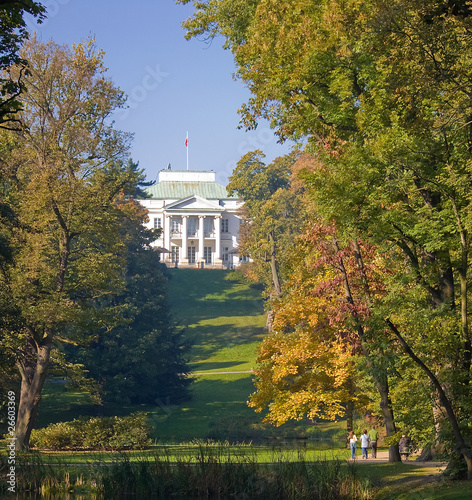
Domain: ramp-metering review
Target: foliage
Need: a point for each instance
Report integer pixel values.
(301, 375)
(381, 93)
(105, 433)
(66, 177)
(12, 34)
(308, 366)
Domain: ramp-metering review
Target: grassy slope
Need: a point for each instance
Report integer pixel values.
(224, 320)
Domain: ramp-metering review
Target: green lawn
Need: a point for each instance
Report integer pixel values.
(224, 319)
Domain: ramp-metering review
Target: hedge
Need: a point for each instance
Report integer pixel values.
(98, 433)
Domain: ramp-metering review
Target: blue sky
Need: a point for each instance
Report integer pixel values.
(173, 85)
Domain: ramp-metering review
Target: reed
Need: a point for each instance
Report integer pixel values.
(207, 472)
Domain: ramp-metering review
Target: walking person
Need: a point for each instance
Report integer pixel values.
(374, 437)
(365, 439)
(404, 447)
(353, 444)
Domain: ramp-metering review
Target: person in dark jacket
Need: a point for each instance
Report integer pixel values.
(404, 447)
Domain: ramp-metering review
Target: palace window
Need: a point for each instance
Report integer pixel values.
(208, 224)
(157, 223)
(207, 255)
(225, 254)
(191, 255)
(191, 226)
(224, 226)
(175, 255)
(175, 225)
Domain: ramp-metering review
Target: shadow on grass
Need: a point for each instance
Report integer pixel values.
(58, 404)
(214, 397)
(196, 295)
(188, 310)
(207, 340)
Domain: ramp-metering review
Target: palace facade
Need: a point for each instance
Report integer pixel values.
(198, 220)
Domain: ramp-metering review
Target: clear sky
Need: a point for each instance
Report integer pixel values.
(173, 85)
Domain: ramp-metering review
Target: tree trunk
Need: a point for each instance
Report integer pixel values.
(269, 321)
(462, 447)
(32, 382)
(463, 271)
(381, 382)
(273, 265)
(349, 410)
(386, 406)
(350, 407)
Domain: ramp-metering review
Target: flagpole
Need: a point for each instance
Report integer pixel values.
(186, 143)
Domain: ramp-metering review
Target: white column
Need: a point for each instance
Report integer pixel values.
(167, 230)
(184, 258)
(218, 260)
(201, 236)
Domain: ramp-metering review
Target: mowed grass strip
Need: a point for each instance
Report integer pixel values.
(223, 319)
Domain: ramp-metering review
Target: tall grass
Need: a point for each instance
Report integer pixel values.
(208, 472)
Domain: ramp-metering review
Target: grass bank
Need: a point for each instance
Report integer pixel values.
(224, 320)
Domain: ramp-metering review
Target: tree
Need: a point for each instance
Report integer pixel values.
(142, 360)
(382, 94)
(306, 367)
(12, 34)
(63, 173)
(269, 213)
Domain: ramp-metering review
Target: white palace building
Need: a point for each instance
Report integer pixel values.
(199, 221)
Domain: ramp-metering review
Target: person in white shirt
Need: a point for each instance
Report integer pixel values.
(365, 440)
(353, 444)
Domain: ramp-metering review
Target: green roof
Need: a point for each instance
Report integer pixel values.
(178, 190)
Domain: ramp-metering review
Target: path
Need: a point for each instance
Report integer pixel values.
(382, 457)
(220, 373)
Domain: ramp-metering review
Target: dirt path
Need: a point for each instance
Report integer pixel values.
(382, 457)
(220, 373)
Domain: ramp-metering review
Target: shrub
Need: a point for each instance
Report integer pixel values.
(110, 433)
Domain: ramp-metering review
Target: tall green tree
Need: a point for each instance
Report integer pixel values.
(62, 175)
(269, 213)
(142, 360)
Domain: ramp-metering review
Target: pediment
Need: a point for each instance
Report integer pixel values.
(193, 203)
